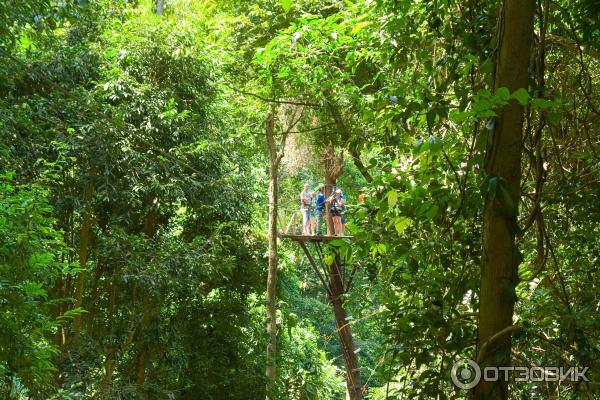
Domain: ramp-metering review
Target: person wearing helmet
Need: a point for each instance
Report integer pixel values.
(336, 211)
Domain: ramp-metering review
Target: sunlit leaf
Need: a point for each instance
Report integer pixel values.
(392, 197)
(359, 26)
(286, 4)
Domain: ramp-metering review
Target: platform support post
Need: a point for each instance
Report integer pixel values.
(336, 291)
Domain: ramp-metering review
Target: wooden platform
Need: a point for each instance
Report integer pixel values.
(312, 238)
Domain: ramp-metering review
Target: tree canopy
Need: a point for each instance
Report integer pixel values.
(153, 151)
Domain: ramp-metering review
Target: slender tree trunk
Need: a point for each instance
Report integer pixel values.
(336, 287)
(142, 359)
(60, 283)
(160, 5)
(271, 372)
(143, 343)
(109, 355)
(500, 258)
(60, 294)
(95, 294)
(84, 240)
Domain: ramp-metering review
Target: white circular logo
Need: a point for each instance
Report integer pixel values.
(465, 374)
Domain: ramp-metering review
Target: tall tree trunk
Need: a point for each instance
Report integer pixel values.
(500, 258)
(143, 343)
(336, 288)
(333, 169)
(109, 355)
(143, 352)
(271, 372)
(60, 289)
(84, 240)
(95, 295)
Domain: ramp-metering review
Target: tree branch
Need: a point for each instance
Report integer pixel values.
(276, 101)
(504, 332)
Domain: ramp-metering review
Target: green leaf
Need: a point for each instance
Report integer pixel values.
(521, 96)
(457, 116)
(33, 289)
(403, 324)
(554, 118)
(483, 93)
(401, 223)
(286, 5)
(432, 212)
(435, 144)
(503, 93)
(541, 103)
(419, 146)
(482, 105)
(392, 197)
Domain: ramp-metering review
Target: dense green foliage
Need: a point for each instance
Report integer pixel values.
(133, 194)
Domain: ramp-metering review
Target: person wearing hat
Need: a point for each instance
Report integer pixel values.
(336, 211)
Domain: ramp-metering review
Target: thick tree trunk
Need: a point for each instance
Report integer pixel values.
(274, 158)
(160, 4)
(336, 290)
(84, 240)
(500, 258)
(349, 352)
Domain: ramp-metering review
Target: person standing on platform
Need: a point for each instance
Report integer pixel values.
(319, 210)
(336, 211)
(343, 220)
(305, 200)
(312, 224)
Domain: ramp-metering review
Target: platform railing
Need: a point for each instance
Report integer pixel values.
(290, 221)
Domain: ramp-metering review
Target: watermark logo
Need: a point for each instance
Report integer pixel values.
(466, 374)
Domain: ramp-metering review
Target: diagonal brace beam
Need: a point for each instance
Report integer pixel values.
(313, 264)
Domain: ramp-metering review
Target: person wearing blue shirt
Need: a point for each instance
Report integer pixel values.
(320, 208)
